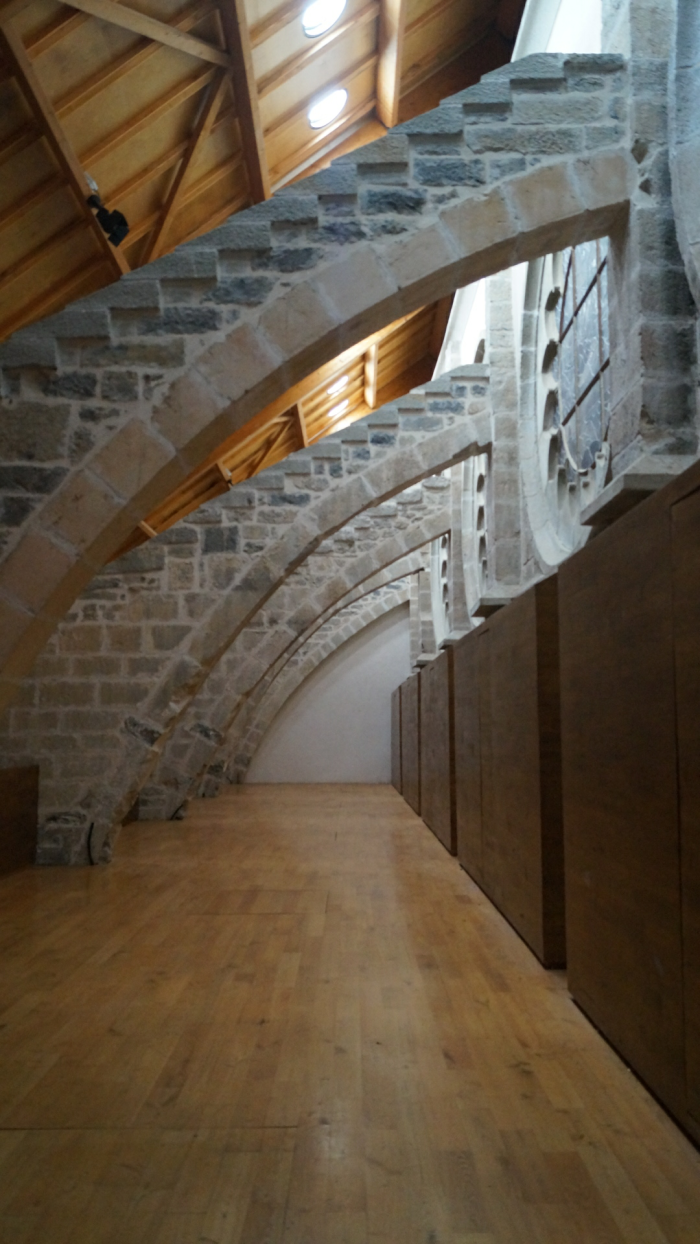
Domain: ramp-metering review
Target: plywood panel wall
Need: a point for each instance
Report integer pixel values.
(437, 750)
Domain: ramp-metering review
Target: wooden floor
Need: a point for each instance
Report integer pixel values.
(292, 1017)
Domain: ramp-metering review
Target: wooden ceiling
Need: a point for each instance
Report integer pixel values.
(185, 111)
(384, 366)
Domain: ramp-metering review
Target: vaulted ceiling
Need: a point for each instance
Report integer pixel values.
(185, 111)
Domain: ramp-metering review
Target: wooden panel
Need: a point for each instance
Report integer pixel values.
(410, 741)
(522, 829)
(686, 626)
(468, 826)
(620, 794)
(437, 749)
(19, 799)
(396, 739)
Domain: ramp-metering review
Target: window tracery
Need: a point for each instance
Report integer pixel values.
(565, 393)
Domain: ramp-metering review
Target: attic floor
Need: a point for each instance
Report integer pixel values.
(293, 1018)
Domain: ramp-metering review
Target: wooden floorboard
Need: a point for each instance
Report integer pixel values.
(293, 1018)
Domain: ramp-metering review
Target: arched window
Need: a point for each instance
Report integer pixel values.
(565, 394)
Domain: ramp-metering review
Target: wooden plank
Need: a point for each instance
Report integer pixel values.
(147, 116)
(151, 28)
(130, 61)
(44, 114)
(392, 25)
(19, 806)
(522, 821)
(276, 21)
(437, 757)
(295, 64)
(410, 741)
(207, 116)
(371, 375)
(685, 516)
(235, 23)
(468, 822)
(621, 816)
(396, 739)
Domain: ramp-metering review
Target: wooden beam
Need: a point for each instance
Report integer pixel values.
(392, 24)
(130, 61)
(235, 23)
(301, 424)
(150, 28)
(45, 115)
(225, 473)
(371, 361)
(207, 116)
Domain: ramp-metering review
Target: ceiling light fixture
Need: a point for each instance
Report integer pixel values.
(338, 386)
(327, 108)
(318, 17)
(340, 409)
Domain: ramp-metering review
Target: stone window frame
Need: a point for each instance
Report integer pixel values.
(555, 487)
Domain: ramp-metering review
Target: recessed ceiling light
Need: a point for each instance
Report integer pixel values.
(318, 17)
(338, 386)
(340, 409)
(327, 108)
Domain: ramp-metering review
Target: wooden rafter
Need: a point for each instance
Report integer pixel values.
(150, 28)
(235, 24)
(134, 58)
(45, 116)
(207, 116)
(391, 33)
(301, 424)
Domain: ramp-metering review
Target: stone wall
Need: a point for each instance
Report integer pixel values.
(108, 405)
(137, 647)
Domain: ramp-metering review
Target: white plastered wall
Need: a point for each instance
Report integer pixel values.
(336, 727)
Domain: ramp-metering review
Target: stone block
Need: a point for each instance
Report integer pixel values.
(130, 461)
(165, 638)
(33, 431)
(128, 693)
(34, 570)
(191, 405)
(545, 197)
(124, 638)
(481, 224)
(298, 319)
(358, 284)
(82, 511)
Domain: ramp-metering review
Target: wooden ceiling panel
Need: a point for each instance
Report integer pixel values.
(328, 70)
(123, 92)
(440, 33)
(293, 140)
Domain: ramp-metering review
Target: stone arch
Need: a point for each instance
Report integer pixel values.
(684, 125)
(86, 724)
(198, 735)
(174, 358)
(332, 635)
(217, 764)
